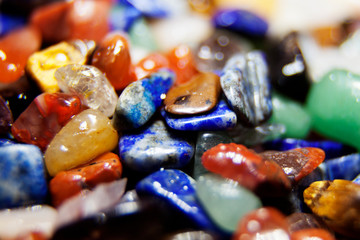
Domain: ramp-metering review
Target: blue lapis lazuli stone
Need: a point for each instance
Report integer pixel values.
(346, 167)
(5, 142)
(178, 190)
(240, 21)
(332, 149)
(155, 147)
(220, 118)
(22, 176)
(10, 22)
(123, 16)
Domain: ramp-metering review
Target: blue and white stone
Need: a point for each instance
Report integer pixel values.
(346, 167)
(123, 16)
(139, 100)
(240, 21)
(160, 8)
(178, 190)
(220, 118)
(356, 179)
(246, 86)
(22, 176)
(155, 147)
(5, 142)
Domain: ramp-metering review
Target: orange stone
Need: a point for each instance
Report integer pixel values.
(65, 184)
(329, 35)
(150, 64)
(113, 58)
(15, 49)
(199, 95)
(182, 62)
(312, 233)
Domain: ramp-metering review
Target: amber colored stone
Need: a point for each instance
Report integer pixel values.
(65, 184)
(329, 35)
(113, 58)
(243, 165)
(182, 62)
(312, 233)
(337, 203)
(6, 118)
(263, 223)
(151, 63)
(297, 163)
(198, 95)
(202, 6)
(44, 118)
(14, 52)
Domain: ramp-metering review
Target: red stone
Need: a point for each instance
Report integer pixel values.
(15, 49)
(297, 163)
(150, 64)
(113, 58)
(243, 165)
(45, 117)
(312, 233)
(263, 223)
(182, 62)
(65, 184)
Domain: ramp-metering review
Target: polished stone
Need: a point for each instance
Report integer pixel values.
(9, 22)
(122, 17)
(152, 63)
(155, 147)
(23, 176)
(345, 167)
(220, 118)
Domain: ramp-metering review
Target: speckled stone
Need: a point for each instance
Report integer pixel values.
(198, 95)
(220, 118)
(345, 167)
(23, 177)
(177, 189)
(155, 147)
(139, 100)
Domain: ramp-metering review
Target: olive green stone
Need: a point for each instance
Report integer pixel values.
(334, 105)
(292, 115)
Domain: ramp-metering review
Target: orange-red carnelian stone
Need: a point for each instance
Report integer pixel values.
(15, 49)
(113, 58)
(150, 64)
(311, 234)
(65, 184)
(263, 223)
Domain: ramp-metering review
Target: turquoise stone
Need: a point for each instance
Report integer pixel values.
(225, 201)
(334, 105)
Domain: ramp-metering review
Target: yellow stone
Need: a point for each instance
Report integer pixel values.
(85, 137)
(43, 64)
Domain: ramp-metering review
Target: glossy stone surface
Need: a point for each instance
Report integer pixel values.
(85, 137)
(177, 189)
(150, 64)
(333, 106)
(65, 184)
(23, 176)
(90, 84)
(155, 147)
(139, 100)
(345, 167)
(6, 117)
(43, 64)
(263, 223)
(220, 118)
(241, 21)
(336, 202)
(14, 54)
(332, 149)
(221, 199)
(289, 113)
(296, 163)
(243, 165)
(199, 95)
(312, 233)
(206, 140)
(112, 57)
(44, 118)
(246, 86)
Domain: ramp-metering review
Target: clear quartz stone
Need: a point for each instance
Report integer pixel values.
(90, 84)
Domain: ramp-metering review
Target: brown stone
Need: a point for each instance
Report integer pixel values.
(198, 95)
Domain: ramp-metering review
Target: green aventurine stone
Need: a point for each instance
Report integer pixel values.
(225, 201)
(292, 115)
(334, 105)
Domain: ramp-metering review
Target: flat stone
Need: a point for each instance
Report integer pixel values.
(220, 118)
(23, 176)
(90, 84)
(140, 100)
(85, 137)
(221, 198)
(198, 95)
(155, 147)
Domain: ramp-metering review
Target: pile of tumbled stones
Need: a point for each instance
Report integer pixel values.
(182, 119)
